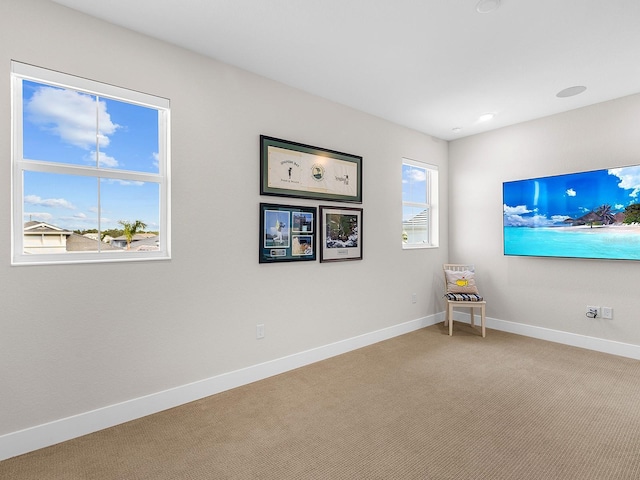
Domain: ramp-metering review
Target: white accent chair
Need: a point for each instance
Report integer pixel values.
(461, 291)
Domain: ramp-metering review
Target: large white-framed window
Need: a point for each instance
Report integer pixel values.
(419, 204)
(90, 170)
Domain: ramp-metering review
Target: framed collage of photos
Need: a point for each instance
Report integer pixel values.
(295, 233)
(341, 238)
(287, 233)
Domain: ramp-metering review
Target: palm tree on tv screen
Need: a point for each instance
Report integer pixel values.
(605, 214)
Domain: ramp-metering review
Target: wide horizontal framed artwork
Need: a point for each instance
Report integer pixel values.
(341, 233)
(287, 233)
(593, 214)
(292, 169)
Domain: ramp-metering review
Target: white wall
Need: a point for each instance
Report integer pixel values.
(75, 338)
(545, 292)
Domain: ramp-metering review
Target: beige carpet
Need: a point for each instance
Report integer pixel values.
(420, 406)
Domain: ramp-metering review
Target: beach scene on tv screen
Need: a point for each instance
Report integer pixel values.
(593, 214)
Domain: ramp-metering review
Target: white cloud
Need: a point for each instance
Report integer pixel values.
(104, 160)
(38, 216)
(71, 116)
(533, 221)
(156, 160)
(520, 209)
(417, 175)
(516, 217)
(130, 183)
(125, 183)
(571, 192)
(629, 178)
(77, 220)
(48, 202)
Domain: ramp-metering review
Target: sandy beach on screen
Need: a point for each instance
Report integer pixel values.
(614, 228)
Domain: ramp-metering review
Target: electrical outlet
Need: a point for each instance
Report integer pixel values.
(413, 298)
(593, 312)
(607, 312)
(260, 331)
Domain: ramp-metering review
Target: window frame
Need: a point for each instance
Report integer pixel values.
(24, 72)
(431, 205)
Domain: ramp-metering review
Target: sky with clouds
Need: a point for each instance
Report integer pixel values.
(548, 201)
(414, 189)
(70, 127)
(414, 184)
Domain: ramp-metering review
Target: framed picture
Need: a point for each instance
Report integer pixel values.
(341, 234)
(290, 169)
(287, 233)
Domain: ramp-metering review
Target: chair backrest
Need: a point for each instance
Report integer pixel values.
(458, 267)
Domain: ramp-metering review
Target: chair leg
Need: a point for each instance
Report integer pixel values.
(446, 315)
(448, 318)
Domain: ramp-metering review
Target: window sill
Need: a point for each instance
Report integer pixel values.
(417, 247)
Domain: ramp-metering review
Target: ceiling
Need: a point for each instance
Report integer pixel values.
(432, 65)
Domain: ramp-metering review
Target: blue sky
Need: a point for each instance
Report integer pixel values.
(70, 127)
(551, 200)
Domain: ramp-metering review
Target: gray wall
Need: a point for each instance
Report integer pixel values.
(545, 292)
(74, 338)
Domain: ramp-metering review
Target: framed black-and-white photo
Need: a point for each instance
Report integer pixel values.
(340, 234)
(287, 233)
(291, 169)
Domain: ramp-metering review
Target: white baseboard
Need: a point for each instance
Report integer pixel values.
(573, 339)
(40, 436)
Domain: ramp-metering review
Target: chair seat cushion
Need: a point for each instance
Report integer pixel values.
(464, 297)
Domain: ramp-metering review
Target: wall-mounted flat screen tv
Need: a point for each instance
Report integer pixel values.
(592, 214)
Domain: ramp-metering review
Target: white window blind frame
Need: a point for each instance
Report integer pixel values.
(431, 205)
(22, 71)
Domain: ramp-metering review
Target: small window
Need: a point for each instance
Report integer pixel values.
(90, 170)
(419, 204)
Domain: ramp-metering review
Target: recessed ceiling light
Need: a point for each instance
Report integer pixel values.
(486, 116)
(571, 91)
(487, 6)
(456, 129)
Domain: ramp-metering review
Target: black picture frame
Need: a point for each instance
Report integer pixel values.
(287, 233)
(340, 233)
(291, 169)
